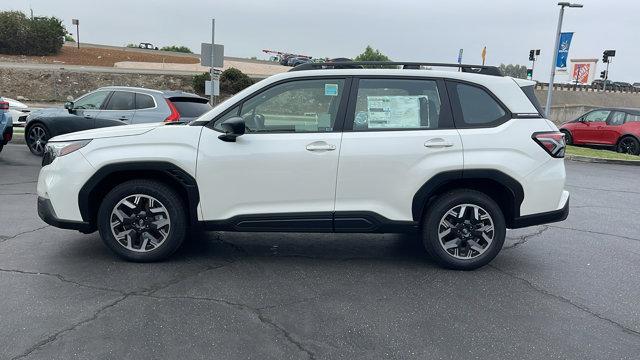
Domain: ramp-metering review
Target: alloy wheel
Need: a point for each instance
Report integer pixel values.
(628, 146)
(466, 231)
(140, 223)
(37, 139)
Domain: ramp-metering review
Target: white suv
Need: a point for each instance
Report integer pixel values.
(456, 156)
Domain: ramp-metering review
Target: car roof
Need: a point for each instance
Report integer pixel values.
(166, 93)
(624, 109)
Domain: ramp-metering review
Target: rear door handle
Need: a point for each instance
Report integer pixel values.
(320, 146)
(438, 143)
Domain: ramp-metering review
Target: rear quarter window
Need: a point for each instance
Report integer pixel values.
(474, 106)
(531, 95)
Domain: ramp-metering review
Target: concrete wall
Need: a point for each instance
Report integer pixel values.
(568, 104)
(56, 85)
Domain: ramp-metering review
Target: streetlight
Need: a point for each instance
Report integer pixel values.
(555, 52)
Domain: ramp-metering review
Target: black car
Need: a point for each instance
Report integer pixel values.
(111, 106)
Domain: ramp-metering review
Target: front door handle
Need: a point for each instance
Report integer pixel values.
(320, 146)
(438, 143)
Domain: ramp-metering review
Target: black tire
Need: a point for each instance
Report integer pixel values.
(628, 145)
(33, 134)
(1, 146)
(167, 197)
(437, 211)
(567, 137)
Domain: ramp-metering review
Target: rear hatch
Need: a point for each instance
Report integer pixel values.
(189, 107)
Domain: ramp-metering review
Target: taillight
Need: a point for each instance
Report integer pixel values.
(4, 105)
(552, 141)
(175, 115)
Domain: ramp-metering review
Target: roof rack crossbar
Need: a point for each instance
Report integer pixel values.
(479, 69)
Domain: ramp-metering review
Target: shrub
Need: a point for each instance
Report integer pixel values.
(69, 38)
(30, 36)
(232, 81)
(131, 45)
(175, 48)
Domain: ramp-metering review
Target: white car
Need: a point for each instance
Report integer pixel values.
(457, 157)
(18, 111)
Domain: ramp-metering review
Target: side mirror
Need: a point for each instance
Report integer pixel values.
(68, 105)
(233, 128)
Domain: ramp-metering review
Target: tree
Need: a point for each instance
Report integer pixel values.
(516, 71)
(21, 35)
(370, 54)
(176, 48)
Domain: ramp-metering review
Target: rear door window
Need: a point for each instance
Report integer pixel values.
(190, 108)
(617, 118)
(121, 100)
(475, 107)
(399, 104)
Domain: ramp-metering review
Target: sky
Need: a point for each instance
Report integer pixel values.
(404, 30)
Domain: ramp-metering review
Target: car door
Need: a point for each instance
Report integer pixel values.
(593, 130)
(398, 134)
(121, 106)
(613, 128)
(281, 174)
(84, 113)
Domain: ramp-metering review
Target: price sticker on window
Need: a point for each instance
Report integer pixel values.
(331, 89)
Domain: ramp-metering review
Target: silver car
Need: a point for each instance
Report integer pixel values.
(112, 106)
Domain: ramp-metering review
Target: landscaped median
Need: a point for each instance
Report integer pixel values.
(18, 135)
(600, 156)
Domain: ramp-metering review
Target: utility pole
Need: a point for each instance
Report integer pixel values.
(76, 22)
(213, 74)
(562, 5)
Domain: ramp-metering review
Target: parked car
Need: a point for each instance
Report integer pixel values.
(19, 111)
(458, 157)
(636, 85)
(622, 86)
(6, 123)
(618, 128)
(112, 106)
(597, 84)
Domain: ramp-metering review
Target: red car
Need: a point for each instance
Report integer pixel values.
(619, 128)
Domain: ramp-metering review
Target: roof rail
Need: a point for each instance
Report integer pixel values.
(478, 69)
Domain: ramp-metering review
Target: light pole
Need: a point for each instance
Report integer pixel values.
(562, 5)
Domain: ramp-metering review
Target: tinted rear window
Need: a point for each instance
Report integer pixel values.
(531, 95)
(190, 107)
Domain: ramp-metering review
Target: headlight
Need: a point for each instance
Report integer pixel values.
(55, 149)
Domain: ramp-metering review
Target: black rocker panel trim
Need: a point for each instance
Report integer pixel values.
(315, 222)
(179, 176)
(440, 181)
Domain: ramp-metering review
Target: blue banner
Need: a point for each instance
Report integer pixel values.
(563, 50)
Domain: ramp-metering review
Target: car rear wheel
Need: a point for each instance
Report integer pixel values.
(36, 138)
(463, 230)
(567, 137)
(628, 145)
(142, 220)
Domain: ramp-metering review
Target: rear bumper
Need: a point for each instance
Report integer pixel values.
(7, 135)
(48, 215)
(541, 218)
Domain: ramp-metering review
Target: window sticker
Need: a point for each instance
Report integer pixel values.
(399, 112)
(331, 89)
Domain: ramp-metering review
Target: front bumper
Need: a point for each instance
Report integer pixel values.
(541, 218)
(48, 215)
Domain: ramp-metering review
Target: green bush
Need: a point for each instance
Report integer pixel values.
(175, 48)
(20, 35)
(232, 81)
(130, 45)
(69, 38)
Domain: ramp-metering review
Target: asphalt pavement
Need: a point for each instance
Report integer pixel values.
(569, 290)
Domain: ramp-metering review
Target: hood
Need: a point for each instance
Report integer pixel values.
(15, 104)
(48, 112)
(108, 132)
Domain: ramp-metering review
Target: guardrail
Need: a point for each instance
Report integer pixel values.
(592, 88)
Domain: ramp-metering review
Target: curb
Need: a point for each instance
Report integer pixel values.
(588, 159)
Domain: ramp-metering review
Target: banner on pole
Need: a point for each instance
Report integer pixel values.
(563, 51)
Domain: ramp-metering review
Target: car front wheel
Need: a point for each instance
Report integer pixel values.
(142, 220)
(463, 230)
(36, 138)
(567, 137)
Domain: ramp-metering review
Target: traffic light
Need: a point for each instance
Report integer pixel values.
(603, 74)
(529, 74)
(531, 55)
(607, 54)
